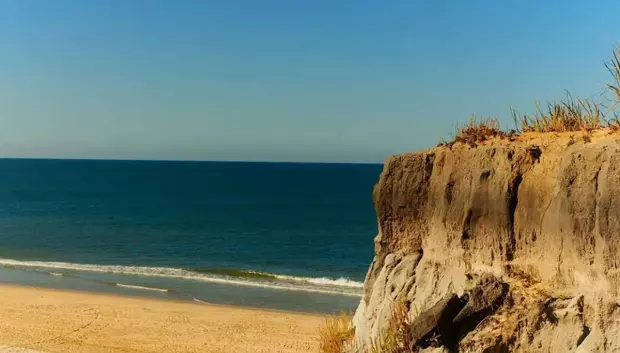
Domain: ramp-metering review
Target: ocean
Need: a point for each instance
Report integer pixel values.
(288, 236)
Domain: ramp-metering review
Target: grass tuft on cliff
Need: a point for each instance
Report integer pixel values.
(478, 131)
(613, 66)
(397, 338)
(337, 335)
(568, 115)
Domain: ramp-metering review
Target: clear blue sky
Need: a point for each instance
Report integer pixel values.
(288, 80)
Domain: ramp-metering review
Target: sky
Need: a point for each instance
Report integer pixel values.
(287, 80)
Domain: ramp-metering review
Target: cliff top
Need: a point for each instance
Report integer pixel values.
(570, 118)
(567, 138)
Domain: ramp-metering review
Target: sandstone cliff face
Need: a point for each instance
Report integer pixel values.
(510, 246)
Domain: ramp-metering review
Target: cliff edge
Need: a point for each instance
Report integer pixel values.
(512, 245)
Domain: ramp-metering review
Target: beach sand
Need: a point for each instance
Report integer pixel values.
(47, 320)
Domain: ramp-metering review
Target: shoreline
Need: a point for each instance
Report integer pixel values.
(185, 290)
(58, 320)
(196, 302)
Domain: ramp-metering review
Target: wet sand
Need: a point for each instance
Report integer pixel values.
(47, 320)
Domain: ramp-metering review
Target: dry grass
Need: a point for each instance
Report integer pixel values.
(478, 131)
(613, 66)
(577, 114)
(336, 334)
(568, 115)
(397, 338)
(614, 124)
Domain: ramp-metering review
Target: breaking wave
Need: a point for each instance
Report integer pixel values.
(342, 286)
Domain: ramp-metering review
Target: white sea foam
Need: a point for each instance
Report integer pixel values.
(340, 282)
(141, 287)
(324, 281)
(321, 281)
(340, 286)
(57, 274)
(201, 301)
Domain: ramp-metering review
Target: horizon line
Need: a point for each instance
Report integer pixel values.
(180, 160)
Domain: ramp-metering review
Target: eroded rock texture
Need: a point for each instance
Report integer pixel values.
(511, 246)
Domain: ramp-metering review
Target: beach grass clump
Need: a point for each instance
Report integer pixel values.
(397, 338)
(578, 114)
(336, 334)
(614, 123)
(613, 66)
(476, 131)
(567, 115)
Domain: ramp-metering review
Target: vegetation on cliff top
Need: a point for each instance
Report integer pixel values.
(570, 114)
(337, 335)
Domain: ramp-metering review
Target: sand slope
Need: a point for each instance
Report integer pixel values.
(63, 321)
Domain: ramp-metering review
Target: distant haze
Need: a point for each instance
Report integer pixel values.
(282, 80)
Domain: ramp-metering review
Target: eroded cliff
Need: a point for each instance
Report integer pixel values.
(509, 246)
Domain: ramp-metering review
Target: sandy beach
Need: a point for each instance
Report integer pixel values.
(50, 321)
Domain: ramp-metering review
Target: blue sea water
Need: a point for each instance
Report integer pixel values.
(276, 235)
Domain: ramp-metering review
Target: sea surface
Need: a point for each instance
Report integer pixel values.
(288, 236)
